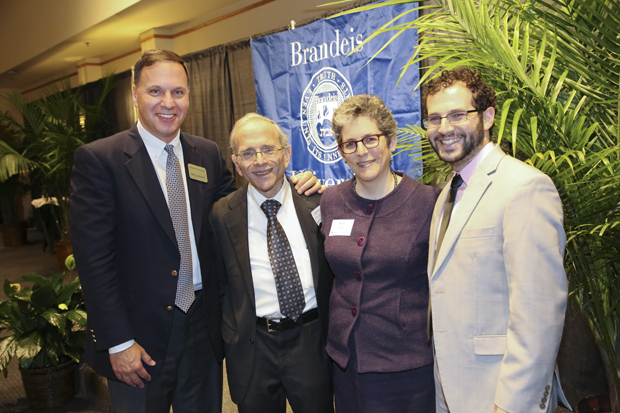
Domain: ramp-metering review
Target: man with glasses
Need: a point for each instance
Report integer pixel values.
(498, 288)
(139, 225)
(276, 282)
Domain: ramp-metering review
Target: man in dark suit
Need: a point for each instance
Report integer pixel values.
(273, 352)
(140, 235)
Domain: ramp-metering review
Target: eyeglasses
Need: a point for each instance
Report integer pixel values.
(268, 152)
(369, 141)
(454, 118)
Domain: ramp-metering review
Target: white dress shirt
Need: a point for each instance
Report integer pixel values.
(265, 292)
(159, 157)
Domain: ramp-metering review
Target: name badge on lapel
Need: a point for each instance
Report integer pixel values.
(197, 172)
(341, 227)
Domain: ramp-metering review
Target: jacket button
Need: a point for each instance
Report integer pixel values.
(542, 406)
(358, 275)
(544, 399)
(354, 311)
(546, 393)
(369, 209)
(360, 241)
(94, 341)
(251, 340)
(547, 387)
(170, 308)
(174, 273)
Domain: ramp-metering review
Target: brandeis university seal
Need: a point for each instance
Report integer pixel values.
(327, 89)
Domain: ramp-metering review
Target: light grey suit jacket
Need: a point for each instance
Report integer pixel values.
(499, 290)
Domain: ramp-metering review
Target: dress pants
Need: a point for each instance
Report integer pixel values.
(190, 380)
(293, 365)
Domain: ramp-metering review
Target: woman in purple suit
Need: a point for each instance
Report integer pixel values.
(376, 229)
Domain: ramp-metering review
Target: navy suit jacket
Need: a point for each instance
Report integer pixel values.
(125, 247)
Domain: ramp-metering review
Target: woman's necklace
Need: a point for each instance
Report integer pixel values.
(354, 182)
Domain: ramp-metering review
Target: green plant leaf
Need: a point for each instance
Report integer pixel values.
(28, 346)
(56, 319)
(78, 316)
(37, 280)
(8, 347)
(43, 297)
(70, 262)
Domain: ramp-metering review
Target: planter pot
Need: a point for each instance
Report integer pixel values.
(63, 250)
(14, 235)
(595, 403)
(49, 387)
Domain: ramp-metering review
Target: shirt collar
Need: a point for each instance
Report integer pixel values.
(467, 172)
(154, 145)
(283, 195)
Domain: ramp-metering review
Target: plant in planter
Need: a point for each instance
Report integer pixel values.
(11, 189)
(43, 326)
(49, 131)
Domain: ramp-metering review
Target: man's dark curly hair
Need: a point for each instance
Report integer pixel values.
(483, 94)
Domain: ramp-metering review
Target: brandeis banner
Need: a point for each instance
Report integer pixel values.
(302, 75)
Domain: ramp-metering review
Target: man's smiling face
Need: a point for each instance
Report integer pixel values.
(162, 99)
(458, 144)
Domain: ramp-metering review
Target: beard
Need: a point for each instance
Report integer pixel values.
(471, 143)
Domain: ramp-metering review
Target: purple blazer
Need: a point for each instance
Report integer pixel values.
(380, 296)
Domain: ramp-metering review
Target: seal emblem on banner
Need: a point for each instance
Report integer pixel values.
(327, 89)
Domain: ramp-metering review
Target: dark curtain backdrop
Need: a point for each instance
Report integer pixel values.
(221, 92)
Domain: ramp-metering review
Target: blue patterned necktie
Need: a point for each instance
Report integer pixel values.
(178, 211)
(288, 284)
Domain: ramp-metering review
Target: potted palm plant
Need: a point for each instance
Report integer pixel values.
(49, 130)
(43, 326)
(11, 190)
(556, 67)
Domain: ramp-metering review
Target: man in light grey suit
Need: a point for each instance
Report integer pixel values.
(497, 283)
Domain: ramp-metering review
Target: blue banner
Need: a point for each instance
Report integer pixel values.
(302, 75)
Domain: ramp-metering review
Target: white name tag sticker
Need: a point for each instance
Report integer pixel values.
(341, 227)
(197, 172)
(316, 214)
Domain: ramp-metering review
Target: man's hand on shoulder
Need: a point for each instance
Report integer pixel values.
(306, 183)
(128, 368)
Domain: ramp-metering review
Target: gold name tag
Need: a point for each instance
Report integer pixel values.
(197, 172)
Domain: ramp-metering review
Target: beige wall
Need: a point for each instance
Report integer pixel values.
(226, 25)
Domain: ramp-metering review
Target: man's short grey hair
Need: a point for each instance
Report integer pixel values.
(255, 117)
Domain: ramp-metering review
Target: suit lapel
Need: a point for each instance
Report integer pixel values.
(194, 187)
(441, 200)
(476, 188)
(141, 170)
(236, 223)
(309, 228)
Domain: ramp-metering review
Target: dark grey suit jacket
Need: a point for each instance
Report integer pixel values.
(125, 248)
(229, 221)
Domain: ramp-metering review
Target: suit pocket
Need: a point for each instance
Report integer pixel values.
(477, 233)
(490, 345)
